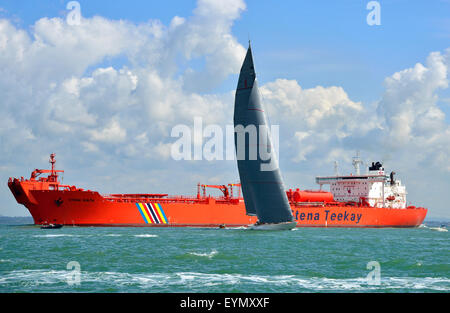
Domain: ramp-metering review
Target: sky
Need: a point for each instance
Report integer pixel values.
(104, 95)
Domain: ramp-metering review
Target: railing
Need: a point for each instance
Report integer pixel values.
(169, 199)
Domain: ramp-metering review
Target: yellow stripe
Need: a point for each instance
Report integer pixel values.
(145, 213)
(160, 213)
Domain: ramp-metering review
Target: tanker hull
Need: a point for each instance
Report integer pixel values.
(89, 208)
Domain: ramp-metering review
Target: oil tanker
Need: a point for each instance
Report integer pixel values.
(373, 199)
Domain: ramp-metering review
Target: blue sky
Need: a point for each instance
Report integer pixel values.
(315, 44)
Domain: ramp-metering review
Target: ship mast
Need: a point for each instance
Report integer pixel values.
(53, 175)
(356, 162)
(336, 169)
(52, 162)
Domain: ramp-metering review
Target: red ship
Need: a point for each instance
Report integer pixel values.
(370, 200)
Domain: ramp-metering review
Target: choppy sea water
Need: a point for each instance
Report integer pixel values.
(223, 260)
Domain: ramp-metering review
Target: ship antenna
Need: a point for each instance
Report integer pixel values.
(52, 162)
(356, 162)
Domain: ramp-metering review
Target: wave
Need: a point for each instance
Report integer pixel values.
(442, 229)
(55, 235)
(145, 236)
(209, 255)
(237, 228)
(195, 281)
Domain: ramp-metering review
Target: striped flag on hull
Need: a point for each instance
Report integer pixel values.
(152, 213)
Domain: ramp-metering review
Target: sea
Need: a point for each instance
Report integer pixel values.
(179, 260)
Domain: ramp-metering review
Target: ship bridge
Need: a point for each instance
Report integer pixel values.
(375, 189)
(328, 180)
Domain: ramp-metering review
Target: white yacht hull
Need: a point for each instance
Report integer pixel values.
(277, 226)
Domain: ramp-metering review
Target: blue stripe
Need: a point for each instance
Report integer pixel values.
(142, 213)
(162, 211)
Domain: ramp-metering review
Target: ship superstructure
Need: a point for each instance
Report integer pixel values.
(374, 189)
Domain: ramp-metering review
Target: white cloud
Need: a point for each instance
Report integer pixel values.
(316, 106)
(409, 103)
(415, 124)
(112, 133)
(44, 84)
(314, 118)
(89, 147)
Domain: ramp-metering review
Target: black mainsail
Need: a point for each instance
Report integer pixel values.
(261, 181)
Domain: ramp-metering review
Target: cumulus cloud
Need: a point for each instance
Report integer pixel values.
(315, 106)
(409, 102)
(315, 118)
(111, 133)
(208, 35)
(45, 84)
(414, 122)
(323, 124)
